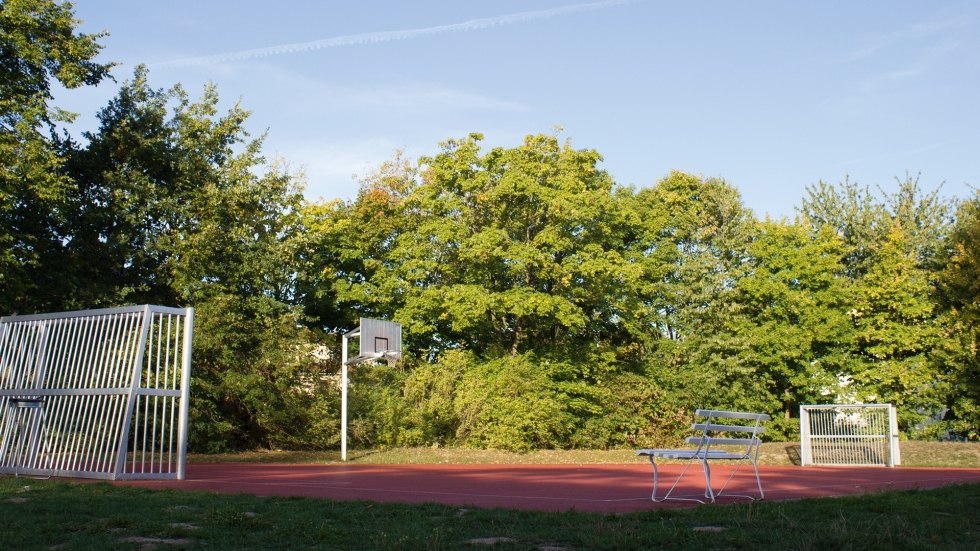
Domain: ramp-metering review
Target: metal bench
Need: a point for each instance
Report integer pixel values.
(714, 430)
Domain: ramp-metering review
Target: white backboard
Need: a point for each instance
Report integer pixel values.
(379, 336)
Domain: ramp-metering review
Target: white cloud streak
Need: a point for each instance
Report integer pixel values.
(393, 36)
(911, 33)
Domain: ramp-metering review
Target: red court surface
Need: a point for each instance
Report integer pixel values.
(596, 488)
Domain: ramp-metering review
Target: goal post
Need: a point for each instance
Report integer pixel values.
(849, 434)
(96, 393)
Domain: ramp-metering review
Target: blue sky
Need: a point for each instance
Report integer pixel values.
(772, 96)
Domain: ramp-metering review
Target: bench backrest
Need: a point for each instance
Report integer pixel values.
(728, 428)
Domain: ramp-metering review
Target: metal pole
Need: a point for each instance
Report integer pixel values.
(894, 455)
(343, 398)
(806, 450)
(185, 393)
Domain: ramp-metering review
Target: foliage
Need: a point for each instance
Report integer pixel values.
(543, 305)
(959, 286)
(893, 248)
(38, 49)
(508, 250)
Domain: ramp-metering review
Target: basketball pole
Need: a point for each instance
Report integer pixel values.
(383, 335)
(343, 391)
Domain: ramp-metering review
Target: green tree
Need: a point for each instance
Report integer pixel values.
(346, 251)
(177, 208)
(959, 286)
(129, 195)
(693, 251)
(893, 253)
(785, 321)
(505, 251)
(896, 332)
(853, 213)
(38, 47)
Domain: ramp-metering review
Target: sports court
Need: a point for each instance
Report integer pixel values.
(104, 394)
(595, 488)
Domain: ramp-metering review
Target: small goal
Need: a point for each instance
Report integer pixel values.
(849, 434)
(96, 393)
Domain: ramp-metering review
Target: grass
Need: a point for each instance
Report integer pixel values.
(914, 454)
(52, 514)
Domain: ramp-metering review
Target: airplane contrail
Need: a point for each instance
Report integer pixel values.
(391, 36)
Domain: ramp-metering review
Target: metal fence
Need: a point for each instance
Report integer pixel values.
(96, 393)
(838, 434)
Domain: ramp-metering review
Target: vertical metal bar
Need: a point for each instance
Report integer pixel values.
(167, 413)
(343, 398)
(125, 419)
(173, 342)
(839, 427)
(131, 399)
(132, 331)
(806, 455)
(894, 453)
(874, 430)
(133, 378)
(185, 393)
(101, 371)
(112, 338)
(81, 455)
(55, 408)
(102, 406)
(156, 441)
(80, 444)
(145, 370)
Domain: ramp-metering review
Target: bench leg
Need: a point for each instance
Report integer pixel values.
(708, 493)
(758, 480)
(656, 481)
(653, 494)
(712, 495)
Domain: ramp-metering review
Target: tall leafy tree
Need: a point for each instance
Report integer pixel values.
(785, 320)
(179, 207)
(347, 250)
(856, 215)
(893, 251)
(129, 195)
(896, 331)
(959, 286)
(510, 250)
(693, 251)
(39, 46)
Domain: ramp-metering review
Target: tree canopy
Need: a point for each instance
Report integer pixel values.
(543, 304)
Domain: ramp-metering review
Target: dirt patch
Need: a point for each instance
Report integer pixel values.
(149, 544)
(490, 541)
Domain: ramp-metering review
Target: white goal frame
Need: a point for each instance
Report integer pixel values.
(96, 393)
(849, 434)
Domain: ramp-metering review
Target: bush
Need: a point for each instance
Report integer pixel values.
(510, 404)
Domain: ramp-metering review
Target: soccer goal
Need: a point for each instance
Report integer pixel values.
(852, 434)
(96, 393)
